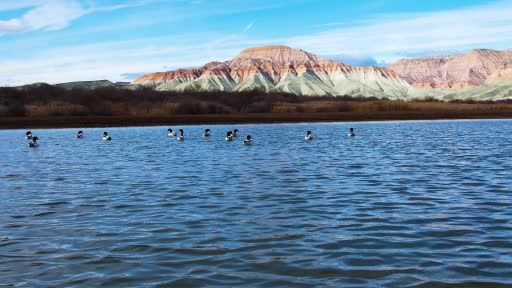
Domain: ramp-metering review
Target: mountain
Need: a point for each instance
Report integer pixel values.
(282, 69)
(95, 84)
(480, 74)
(84, 85)
(475, 68)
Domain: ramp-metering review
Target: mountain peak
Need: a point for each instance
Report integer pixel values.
(280, 54)
(266, 48)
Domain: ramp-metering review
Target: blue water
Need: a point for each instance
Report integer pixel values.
(402, 204)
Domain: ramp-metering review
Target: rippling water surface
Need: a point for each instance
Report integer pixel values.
(402, 204)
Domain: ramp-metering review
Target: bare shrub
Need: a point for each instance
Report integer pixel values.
(47, 100)
(343, 107)
(283, 108)
(259, 107)
(167, 108)
(4, 111)
(56, 109)
(103, 108)
(188, 107)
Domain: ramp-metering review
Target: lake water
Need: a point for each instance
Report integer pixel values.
(402, 204)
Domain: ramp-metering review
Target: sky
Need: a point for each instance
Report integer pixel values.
(57, 41)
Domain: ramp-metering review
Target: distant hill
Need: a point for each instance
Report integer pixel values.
(84, 85)
(474, 68)
(96, 84)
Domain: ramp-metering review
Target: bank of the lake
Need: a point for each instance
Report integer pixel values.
(248, 118)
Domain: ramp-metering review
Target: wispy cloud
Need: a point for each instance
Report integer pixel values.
(107, 8)
(12, 25)
(48, 15)
(118, 60)
(389, 36)
(248, 27)
(52, 15)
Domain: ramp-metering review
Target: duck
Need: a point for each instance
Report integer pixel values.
(247, 140)
(33, 143)
(171, 133)
(206, 133)
(28, 135)
(80, 134)
(229, 136)
(235, 132)
(351, 132)
(181, 137)
(309, 136)
(106, 137)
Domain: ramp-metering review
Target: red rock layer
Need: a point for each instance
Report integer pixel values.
(275, 62)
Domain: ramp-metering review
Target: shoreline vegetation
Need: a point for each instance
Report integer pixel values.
(48, 106)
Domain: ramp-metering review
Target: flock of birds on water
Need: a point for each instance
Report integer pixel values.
(230, 136)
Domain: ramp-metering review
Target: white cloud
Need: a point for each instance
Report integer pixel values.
(355, 60)
(53, 14)
(387, 37)
(13, 25)
(114, 60)
(114, 7)
(47, 15)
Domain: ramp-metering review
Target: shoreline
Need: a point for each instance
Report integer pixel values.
(239, 118)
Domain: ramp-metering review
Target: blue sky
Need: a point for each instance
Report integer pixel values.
(69, 40)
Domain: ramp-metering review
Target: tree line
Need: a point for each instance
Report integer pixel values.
(43, 100)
